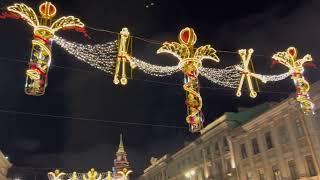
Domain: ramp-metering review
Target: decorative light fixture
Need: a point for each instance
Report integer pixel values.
(289, 59)
(44, 30)
(245, 56)
(190, 61)
(123, 57)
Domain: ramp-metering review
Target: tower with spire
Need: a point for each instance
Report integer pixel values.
(121, 163)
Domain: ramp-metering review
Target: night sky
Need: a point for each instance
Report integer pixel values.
(80, 91)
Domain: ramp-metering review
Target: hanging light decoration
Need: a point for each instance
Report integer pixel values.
(289, 59)
(123, 57)
(245, 56)
(190, 61)
(44, 30)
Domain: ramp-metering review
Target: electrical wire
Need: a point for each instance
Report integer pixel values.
(89, 119)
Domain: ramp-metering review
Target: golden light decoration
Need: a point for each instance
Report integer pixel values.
(190, 61)
(56, 175)
(123, 57)
(289, 59)
(92, 175)
(44, 30)
(245, 56)
(125, 173)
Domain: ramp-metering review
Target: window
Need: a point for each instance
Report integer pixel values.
(243, 150)
(284, 135)
(311, 167)
(276, 173)
(216, 149)
(261, 174)
(225, 144)
(249, 175)
(268, 138)
(299, 128)
(293, 170)
(255, 146)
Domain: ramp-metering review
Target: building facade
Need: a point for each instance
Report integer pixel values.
(267, 142)
(4, 166)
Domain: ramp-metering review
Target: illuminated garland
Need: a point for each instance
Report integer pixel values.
(155, 70)
(100, 56)
(227, 77)
(44, 30)
(289, 59)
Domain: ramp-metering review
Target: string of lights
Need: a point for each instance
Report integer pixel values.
(227, 77)
(100, 56)
(155, 70)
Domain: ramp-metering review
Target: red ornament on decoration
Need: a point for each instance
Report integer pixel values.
(292, 51)
(47, 10)
(187, 36)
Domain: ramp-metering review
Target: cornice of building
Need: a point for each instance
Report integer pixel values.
(158, 163)
(4, 161)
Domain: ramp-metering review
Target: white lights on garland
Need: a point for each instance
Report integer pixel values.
(227, 77)
(100, 56)
(155, 70)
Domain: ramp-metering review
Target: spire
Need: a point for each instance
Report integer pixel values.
(121, 147)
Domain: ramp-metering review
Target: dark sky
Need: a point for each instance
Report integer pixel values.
(45, 142)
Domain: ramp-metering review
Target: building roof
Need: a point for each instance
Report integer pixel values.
(121, 146)
(236, 119)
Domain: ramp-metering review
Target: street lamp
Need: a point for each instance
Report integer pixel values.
(190, 173)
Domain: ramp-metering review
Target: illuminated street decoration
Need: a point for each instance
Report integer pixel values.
(44, 30)
(245, 56)
(190, 61)
(123, 57)
(56, 175)
(92, 175)
(125, 173)
(289, 59)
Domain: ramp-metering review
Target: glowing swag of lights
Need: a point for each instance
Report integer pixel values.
(123, 57)
(295, 65)
(190, 61)
(44, 30)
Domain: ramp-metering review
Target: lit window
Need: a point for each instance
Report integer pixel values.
(268, 138)
(243, 150)
(255, 146)
(311, 167)
(293, 170)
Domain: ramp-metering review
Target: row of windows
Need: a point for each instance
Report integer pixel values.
(283, 135)
(294, 173)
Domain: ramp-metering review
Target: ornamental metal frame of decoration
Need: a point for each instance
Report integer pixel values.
(123, 57)
(190, 60)
(44, 30)
(289, 59)
(245, 72)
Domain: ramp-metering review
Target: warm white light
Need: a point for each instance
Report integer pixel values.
(190, 173)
